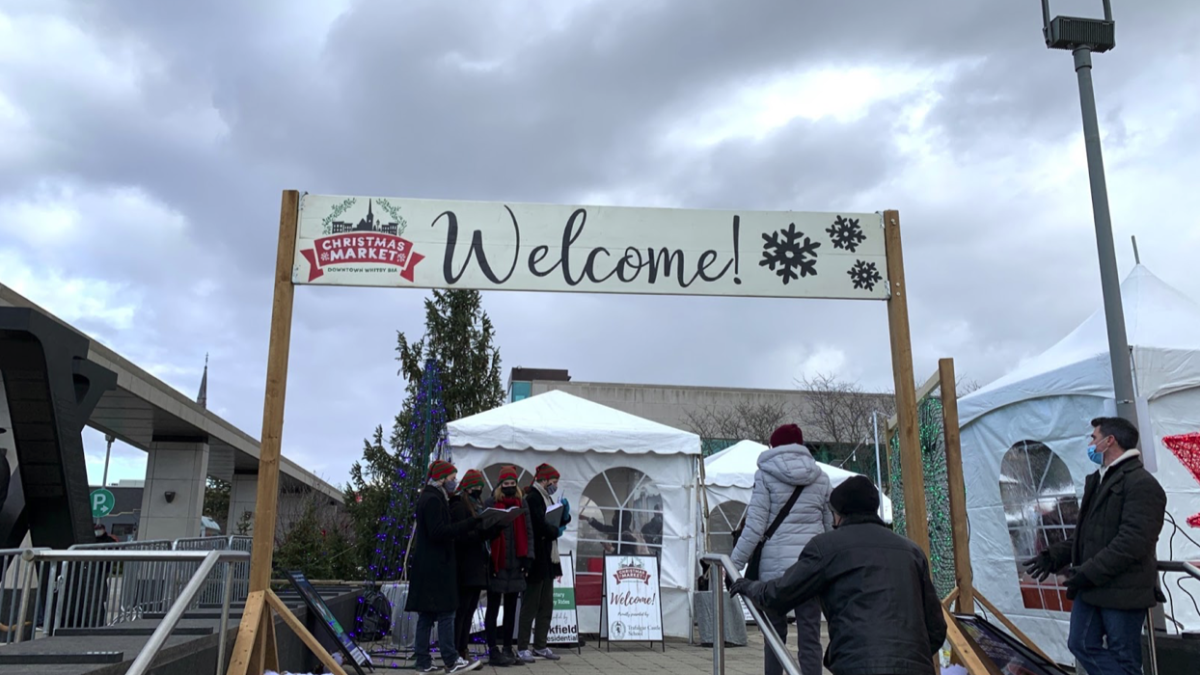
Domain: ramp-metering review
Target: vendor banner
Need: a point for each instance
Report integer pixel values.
(564, 622)
(421, 243)
(632, 598)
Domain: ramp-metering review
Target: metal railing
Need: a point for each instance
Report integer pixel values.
(205, 563)
(1165, 566)
(719, 567)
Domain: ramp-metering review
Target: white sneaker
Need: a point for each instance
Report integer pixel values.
(546, 654)
(463, 666)
(430, 669)
(526, 656)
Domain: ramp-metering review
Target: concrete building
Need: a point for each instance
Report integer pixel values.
(708, 411)
(185, 441)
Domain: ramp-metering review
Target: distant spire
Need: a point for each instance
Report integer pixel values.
(202, 397)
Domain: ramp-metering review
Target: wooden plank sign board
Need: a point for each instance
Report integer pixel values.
(632, 599)
(1005, 652)
(333, 627)
(421, 243)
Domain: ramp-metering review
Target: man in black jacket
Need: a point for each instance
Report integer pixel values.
(432, 573)
(874, 586)
(1110, 558)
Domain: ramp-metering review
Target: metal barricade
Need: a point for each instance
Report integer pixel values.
(16, 574)
(101, 593)
(210, 592)
(241, 570)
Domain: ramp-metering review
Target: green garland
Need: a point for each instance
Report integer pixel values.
(394, 212)
(937, 493)
(327, 223)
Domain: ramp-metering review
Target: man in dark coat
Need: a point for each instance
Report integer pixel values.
(537, 604)
(1110, 558)
(432, 572)
(874, 586)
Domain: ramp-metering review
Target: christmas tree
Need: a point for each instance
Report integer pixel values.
(423, 440)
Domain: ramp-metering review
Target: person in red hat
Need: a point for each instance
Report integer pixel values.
(472, 554)
(432, 570)
(537, 605)
(789, 506)
(511, 554)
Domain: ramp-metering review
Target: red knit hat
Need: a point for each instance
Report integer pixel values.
(545, 472)
(788, 434)
(440, 469)
(471, 479)
(508, 473)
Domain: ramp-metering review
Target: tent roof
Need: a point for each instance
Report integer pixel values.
(556, 420)
(1158, 318)
(733, 466)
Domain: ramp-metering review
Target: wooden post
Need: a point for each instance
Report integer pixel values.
(957, 489)
(911, 469)
(252, 638)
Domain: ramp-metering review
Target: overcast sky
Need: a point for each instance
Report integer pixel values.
(144, 145)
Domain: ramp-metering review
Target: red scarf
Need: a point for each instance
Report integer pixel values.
(520, 535)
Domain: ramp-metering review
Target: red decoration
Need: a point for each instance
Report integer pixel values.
(1186, 448)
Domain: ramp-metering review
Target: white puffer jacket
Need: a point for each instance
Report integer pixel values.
(780, 470)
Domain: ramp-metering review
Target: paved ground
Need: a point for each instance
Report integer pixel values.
(680, 658)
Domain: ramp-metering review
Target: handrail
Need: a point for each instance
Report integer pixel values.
(1178, 566)
(208, 561)
(716, 582)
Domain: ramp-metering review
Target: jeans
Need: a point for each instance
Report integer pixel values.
(537, 604)
(808, 639)
(445, 626)
(468, 602)
(1106, 641)
(494, 602)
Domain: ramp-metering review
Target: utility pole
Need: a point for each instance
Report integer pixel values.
(1083, 37)
(107, 455)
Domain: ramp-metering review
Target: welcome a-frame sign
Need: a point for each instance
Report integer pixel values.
(415, 243)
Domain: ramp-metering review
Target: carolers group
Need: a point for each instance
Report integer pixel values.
(455, 559)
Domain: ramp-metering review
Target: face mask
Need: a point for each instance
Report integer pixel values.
(509, 491)
(99, 533)
(1095, 455)
(475, 494)
(450, 485)
(551, 489)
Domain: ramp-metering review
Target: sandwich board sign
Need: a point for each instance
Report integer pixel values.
(564, 622)
(632, 605)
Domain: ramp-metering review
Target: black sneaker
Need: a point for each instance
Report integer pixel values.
(512, 658)
(463, 666)
(429, 669)
(497, 659)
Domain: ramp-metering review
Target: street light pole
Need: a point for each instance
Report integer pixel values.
(108, 454)
(1082, 37)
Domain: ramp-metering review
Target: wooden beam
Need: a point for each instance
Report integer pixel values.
(960, 529)
(950, 598)
(1012, 627)
(965, 648)
(301, 632)
(924, 391)
(911, 469)
(243, 649)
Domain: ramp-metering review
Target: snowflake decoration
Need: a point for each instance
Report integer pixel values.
(846, 234)
(1186, 448)
(324, 256)
(864, 275)
(793, 258)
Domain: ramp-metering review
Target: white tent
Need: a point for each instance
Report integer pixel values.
(729, 476)
(1024, 442)
(611, 463)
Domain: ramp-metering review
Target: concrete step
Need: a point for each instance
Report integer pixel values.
(65, 658)
(131, 630)
(234, 615)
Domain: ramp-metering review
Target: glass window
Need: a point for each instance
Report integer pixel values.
(621, 512)
(1041, 509)
(722, 521)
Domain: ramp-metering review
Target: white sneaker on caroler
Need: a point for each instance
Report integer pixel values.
(546, 654)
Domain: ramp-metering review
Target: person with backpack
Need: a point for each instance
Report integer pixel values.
(432, 572)
(789, 506)
(472, 561)
(510, 555)
(537, 604)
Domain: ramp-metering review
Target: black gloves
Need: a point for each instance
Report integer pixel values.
(752, 590)
(1040, 567)
(1077, 581)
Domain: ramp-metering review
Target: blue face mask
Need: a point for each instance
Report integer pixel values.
(551, 489)
(450, 486)
(1095, 455)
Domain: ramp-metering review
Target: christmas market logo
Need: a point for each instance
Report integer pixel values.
(631, 570)
(370, 241)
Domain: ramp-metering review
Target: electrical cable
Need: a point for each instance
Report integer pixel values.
(1176, 530)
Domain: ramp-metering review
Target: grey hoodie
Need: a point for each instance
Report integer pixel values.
(780, 470)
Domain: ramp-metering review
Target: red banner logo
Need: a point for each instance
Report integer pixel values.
(370, 248)
(632, 574)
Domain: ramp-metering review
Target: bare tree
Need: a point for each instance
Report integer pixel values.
(964, 385)
(753, 421)
(839, 412)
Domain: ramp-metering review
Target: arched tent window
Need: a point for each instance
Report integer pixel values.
(621, 512)
(722, 521)
(1041, 509)
(492, 476)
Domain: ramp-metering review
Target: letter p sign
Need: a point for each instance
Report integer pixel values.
(103, 503)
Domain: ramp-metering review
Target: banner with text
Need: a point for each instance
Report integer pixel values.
(420, 243)
(632, 598)
(564, 622)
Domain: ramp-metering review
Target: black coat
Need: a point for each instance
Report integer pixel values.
(432, 572)
(878, 598)
(471, 550)
(510, 577)
(544, 536)
(1115, 541)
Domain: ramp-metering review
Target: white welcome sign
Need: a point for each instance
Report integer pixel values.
(632, 598)
(421, 243)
